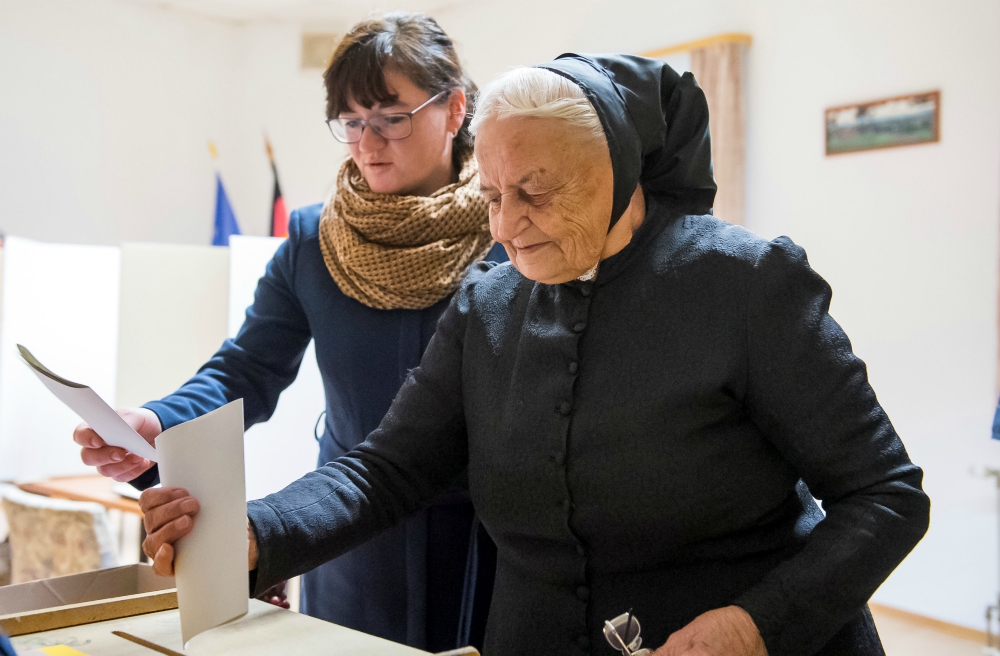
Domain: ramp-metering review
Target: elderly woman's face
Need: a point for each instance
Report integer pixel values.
(550, 193)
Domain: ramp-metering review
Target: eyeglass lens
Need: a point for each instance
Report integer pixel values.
(387, 126)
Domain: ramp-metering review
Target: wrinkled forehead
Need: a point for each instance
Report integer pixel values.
(536, 150)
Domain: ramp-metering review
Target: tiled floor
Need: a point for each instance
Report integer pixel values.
(903, 636)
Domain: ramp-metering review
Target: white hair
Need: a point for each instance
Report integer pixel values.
(536, 93)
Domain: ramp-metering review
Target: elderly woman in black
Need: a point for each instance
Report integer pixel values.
(645, 399)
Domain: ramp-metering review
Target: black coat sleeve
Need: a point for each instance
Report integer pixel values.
(810, 396)
(417, 451)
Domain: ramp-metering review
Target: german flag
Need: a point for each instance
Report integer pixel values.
(279, 215)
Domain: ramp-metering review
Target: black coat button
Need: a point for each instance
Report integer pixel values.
(560, 458)
(573, 367)
(585, 290)
(583, 642)
(564, 407)
(578, 327)
(566, 505)
(583, 592)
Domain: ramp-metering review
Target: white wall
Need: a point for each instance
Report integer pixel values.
(106, 108)
(173, 310)
(907, 238)
(105, 115)
(279, 98)
(61, 302)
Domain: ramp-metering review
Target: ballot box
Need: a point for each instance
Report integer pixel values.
(266, 629)
(129, 611)
(83, 598)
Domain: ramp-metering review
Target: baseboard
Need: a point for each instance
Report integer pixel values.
(941, 626)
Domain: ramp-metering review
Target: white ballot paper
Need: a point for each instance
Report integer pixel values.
(92, 409)
(205, 456)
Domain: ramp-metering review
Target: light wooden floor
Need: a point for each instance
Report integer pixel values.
(905, 635)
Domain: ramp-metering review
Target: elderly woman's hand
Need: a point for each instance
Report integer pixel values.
(168, 515)
(728, 631)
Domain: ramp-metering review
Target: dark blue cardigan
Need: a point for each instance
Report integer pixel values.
(364, 354)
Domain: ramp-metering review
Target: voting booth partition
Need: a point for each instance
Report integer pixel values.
(134, 322)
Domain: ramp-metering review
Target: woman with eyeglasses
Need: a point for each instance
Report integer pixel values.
(367, 275)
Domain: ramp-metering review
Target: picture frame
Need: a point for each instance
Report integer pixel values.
(908, 120)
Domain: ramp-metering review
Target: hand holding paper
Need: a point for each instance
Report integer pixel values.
(115, 462)
(205, 457)
(92, 409)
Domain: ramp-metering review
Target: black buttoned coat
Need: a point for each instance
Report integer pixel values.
(640, 442)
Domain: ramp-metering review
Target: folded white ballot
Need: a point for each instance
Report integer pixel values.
(204, 456)
(92, 409)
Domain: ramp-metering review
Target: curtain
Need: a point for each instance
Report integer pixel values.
(718, 68)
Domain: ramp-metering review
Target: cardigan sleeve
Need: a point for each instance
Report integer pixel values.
(417, 452)
(809, 395)
(258, 364)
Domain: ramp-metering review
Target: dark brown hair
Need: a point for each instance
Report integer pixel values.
(412, 44)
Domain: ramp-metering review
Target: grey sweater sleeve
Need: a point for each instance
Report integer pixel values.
(810, 396)
(417, 451)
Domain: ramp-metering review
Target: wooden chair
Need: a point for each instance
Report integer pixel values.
(55, 537)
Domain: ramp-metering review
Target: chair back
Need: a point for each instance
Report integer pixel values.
(55, 537)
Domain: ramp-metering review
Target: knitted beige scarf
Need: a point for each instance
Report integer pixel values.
(405, 252)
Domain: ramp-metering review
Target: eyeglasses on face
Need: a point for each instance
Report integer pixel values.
(388, 126)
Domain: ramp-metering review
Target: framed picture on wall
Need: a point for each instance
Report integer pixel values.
(888, 123)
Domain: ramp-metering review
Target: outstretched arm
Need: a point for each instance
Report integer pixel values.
(419, 449)
(417, 452)
(257, 365)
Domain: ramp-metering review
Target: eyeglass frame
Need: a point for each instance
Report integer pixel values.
(634, 646)
(364, 121)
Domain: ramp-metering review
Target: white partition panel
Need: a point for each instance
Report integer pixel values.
(61, 301)
(174, 313)
(282, 449)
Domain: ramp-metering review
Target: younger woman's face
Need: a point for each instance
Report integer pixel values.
(421, 163)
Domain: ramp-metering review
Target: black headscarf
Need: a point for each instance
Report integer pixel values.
(656, 124)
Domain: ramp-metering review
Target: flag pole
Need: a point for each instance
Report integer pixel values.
(270, 151)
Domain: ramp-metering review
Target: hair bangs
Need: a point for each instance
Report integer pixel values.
(358, 75)
(413, 45)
